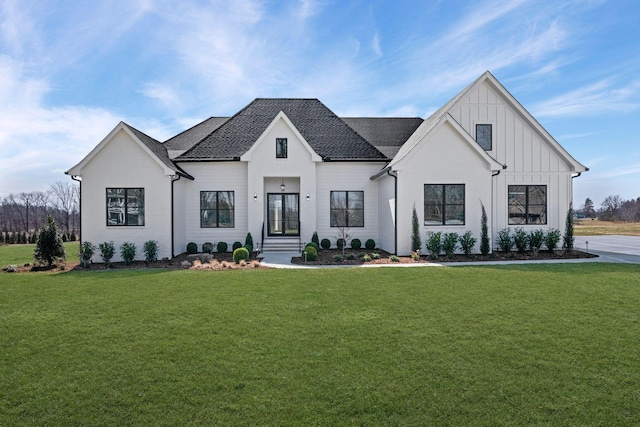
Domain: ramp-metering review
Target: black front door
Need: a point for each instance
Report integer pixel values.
(283, 214)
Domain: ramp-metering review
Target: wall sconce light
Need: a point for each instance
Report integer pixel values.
(282, 185)
(255, 197)
(308, 196)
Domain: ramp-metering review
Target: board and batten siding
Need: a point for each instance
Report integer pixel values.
(215, 176)
(348, 176)
(529, 157)
(123, 163)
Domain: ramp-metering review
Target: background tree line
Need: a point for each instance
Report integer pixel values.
(22, 214)
(612, 208)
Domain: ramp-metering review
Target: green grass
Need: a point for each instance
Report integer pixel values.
(508, 345)
(22, 254)
(589, 227)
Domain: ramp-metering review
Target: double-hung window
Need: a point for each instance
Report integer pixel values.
(347, 209)
(444, 204)
(281, 148)
(125, 206)
(527, 204)
(217, 209)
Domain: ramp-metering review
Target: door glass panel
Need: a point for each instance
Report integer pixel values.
(282, 215)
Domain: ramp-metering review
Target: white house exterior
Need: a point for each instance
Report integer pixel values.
(282, 169)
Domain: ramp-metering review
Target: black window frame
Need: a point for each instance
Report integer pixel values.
(216, 211)
(482, 141)
(337, 213)
(128, 209)
(282, 149)
(530, 216)
(444, 206)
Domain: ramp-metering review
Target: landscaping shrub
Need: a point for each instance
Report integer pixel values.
(375, 255)
(536, 238)
(87, 249)
(394, 258)
(150, 249)
(567, 238)
(450, 244)
(415, 255)
(249, 248)
(337, 258)
(107, 250)
(248, 241)
(521, 239)
(356, 244)
(236, 245)
(361, 254)
(314, 244)
(340, 243)
(434, 243)
(485, 242)
(366, 258)
(370, 244)
(351, 257)
(416, 241)
(207, 247)
(311, 252)
(504, 240)
(49, 247)
(222, 247)
(325, 243)
(239, 254)
(467, 243)
(128, 252)
(315, 239)
(192, 248)
(551, 239)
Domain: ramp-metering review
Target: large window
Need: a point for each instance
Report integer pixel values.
(444, 204)
(281, 148)
(527, 204)
(125, 206)
(347, 208)
(217, 209)
(483, 136)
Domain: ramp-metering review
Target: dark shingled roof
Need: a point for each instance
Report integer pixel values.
(387, 134)
(327, 134)
(187, 139)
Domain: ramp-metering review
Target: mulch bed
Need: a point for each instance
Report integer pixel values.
(326, 257)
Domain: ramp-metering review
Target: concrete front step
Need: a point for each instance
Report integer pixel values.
(281, 246)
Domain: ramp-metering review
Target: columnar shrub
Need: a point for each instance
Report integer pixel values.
(467, 243)
(536, 238)
(222, 247)
(370, 244)
(567, 238)
(551, 239)
(310, 252)
(248, 241)
(192, 248)
(450, 244)
(434, 243)
(128, 252)
(107, 250)
(240, 253)
(521, 239)
(150, 249)
(485, 242)
(236, 245)
(416, 241)
(249, 248)
(315, 239)
(356, 244)
(505, 240)
(87, 249)
(207, 247)
(325, 243)
(49, 246)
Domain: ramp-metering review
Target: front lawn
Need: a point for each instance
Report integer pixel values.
(492, 345)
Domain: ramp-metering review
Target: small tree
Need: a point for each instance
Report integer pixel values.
(150, 249)
(434, 244)
(248, 241)
(128, 252)
(567, 238)
(49, 247)
(344, 235)
(551, 239)
(521, 239)
(107, 250)
(450, 244)
(467, 243)
(416, 241)
(87, 249)
(485, 242)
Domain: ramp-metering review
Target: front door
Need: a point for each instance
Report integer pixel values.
(283, 214)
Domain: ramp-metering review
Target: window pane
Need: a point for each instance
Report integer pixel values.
(135, 206)
(537, 195)
(115, 206)
(518, 194)
(208, 200)
(455, 215)
(338, 200)
(433, 194)
(433, 214)
(356, 199)
(281, 148)
(483, 136)
(225, 218)
(356, 218)
(454, 194)
(537, 215)
(207, 218)
(338, 218)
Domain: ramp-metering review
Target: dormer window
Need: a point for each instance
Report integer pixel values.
(281, 148)
(483, 136)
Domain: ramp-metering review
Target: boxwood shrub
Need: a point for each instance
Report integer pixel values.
(236, 245)
(370, 244)
(207, 247)
(239, 254)
(340, 243)
(192, 248)
(312, 253)
(325, 243)
(222, 247)
(356, 244)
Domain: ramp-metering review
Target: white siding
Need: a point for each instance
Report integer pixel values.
(386, 213)
(123, 163)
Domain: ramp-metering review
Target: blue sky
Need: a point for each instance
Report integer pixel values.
(70, 71)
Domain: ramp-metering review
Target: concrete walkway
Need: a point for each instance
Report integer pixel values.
(613, 249)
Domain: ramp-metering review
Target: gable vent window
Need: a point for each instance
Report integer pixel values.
(281, 148)
(483, 136)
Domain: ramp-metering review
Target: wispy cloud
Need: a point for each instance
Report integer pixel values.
(622, 171)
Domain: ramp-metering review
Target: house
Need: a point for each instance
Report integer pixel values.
(281, 169)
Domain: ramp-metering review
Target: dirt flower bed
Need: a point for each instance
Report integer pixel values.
(355, 257)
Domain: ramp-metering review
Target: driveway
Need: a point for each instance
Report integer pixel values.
(625, 249)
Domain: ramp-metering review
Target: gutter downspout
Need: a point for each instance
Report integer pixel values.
(173, 180)
(75, 178)
(394, 175)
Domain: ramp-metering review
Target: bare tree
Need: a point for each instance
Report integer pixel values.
(64, 197)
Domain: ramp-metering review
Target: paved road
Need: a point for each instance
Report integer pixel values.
(624, 249)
